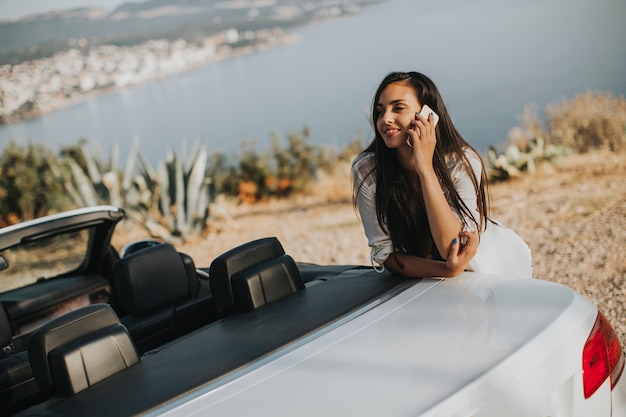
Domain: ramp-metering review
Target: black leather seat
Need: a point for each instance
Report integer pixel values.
(80, 349)
(253, 275)
(160, 296)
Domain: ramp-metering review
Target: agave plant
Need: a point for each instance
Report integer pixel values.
(171, 202)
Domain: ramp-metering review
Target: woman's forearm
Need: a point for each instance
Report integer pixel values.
(456, 262)
(415, 267)
(444, 225)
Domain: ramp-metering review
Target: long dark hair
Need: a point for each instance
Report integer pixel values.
(400, 207)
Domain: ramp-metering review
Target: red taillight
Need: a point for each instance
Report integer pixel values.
(602, 357)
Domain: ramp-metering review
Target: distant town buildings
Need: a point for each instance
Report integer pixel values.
(35, 87)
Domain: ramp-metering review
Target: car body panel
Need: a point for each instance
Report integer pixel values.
(433, 350)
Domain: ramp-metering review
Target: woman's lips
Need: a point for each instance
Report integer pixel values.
(391, 132)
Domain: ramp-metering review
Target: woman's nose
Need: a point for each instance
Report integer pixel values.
(387, 117)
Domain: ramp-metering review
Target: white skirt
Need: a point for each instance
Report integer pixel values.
(502, 251)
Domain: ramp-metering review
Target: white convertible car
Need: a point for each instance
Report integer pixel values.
(87, 331)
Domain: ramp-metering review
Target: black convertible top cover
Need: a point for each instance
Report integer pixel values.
(220, 348)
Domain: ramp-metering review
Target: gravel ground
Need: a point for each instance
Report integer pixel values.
(572, 215)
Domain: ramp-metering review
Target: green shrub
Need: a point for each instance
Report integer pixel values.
(279, 172)
(28, 188)
(224, 177)
(295, 165)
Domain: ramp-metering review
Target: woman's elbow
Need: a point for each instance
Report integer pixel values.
(393, 266)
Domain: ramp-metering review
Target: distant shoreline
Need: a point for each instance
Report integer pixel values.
(40, 111)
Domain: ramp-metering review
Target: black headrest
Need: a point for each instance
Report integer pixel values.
(66, 330)
(239, 261)
(90, 359)
(266, 282)
(153, 278)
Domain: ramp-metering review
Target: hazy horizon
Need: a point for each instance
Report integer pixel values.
(18, 9)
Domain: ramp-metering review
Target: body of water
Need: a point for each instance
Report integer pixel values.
(489, 58)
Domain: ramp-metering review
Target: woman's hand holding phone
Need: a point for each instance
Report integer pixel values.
(424, 139)
(428, 113)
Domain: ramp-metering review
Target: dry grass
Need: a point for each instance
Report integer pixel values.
(593, 120)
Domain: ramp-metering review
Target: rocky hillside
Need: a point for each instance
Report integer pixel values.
(136, 22)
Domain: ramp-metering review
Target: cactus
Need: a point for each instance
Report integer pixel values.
(196, 189)
(86, 189)
(517, 159)
(150, 197)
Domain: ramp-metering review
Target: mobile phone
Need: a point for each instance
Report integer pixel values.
(425, 111)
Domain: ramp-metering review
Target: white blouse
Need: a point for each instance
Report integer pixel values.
(500, 249)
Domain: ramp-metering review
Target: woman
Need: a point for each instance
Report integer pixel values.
(421, 190)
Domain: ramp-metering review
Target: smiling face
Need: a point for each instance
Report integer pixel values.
(395, 110)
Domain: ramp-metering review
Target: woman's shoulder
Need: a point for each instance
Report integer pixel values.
(455, 163)
(363, 163)
(472, 156)
(363, 167)
(364, 158)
